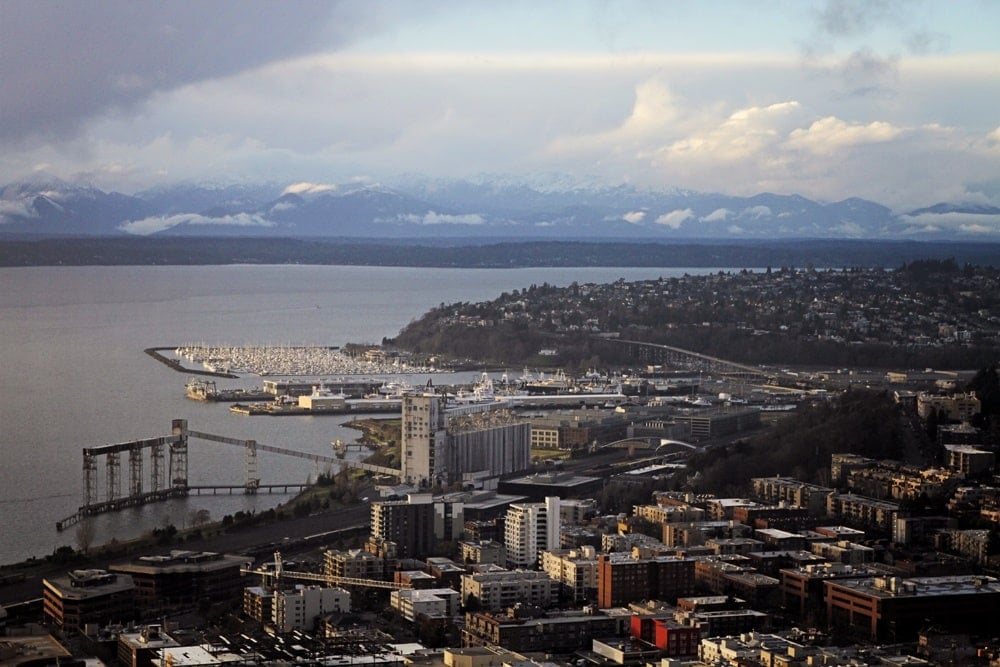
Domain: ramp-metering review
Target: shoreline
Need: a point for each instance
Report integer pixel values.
(373, 431)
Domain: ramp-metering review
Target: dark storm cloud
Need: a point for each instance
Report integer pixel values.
(923, 42)
(64, 62)
(844, 18)
(866, 74)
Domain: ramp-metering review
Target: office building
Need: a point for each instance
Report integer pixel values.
(183, 577)
(425, 603)
(575, 570)
(778, 490)
(623, 578)
(302, 607)
(137, 649)
(409, 524)
(88, 598)
(893, 609)
(497, 591)
(554, 634)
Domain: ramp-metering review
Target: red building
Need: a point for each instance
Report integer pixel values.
(671, 637)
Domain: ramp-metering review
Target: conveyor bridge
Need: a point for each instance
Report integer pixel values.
(167, 458)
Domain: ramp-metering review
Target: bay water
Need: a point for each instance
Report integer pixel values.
(73, 373)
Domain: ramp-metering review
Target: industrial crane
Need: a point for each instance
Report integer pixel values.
(270, 578)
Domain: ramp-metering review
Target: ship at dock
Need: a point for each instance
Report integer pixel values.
(206, 390)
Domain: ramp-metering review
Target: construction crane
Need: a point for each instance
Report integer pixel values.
(270, 578)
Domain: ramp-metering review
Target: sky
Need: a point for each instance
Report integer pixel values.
(897, 102)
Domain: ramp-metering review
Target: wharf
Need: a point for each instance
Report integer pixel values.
(350, 407)
(237, 395)
(230, 489)
(205, 390)
(117, 504)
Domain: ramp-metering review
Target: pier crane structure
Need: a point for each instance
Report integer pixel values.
(168, 471)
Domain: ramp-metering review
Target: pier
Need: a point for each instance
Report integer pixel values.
(167, 459)
(230, 489)
(206, 390)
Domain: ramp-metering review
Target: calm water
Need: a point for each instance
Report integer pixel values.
(73, 374)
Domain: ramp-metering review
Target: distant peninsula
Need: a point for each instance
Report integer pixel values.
(470, 253)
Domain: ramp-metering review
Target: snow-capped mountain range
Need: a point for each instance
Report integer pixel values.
(484, 207)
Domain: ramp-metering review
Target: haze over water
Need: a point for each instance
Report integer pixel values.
(74, 374)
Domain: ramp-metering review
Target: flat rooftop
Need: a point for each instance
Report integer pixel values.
(885, 587)
(552, 479)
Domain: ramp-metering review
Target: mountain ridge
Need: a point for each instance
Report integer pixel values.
(502, 208)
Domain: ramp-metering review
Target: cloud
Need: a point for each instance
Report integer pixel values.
(65, 63)
(744, 133)
(967, 223)
(756, 212)
(865, 74)
(830, 134)
(18, 208)
(634, 217)
(155, 224)
(655, 113)
(283, 206)
(718, 215)
(305, 188)
(433, 218)
(848, 228)
(731, 123)
(675, 218)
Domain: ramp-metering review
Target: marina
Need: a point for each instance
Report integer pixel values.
(282, 360)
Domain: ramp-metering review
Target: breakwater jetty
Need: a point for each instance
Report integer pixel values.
(157, 353)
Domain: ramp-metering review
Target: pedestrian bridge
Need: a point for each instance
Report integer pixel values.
(648, 443)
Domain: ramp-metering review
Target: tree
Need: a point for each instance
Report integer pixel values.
(933, 420)
(986, 384)
(431, 631)
(198, 518)
(86, 531)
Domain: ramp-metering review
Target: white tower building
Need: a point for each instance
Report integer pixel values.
(530, 529)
